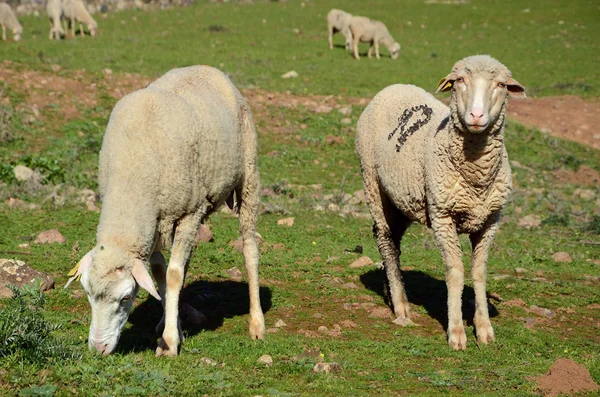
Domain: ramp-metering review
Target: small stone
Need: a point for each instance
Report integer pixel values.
(403, 321)
(204, 234)
(24, 246)
(346, 110)
(530, 221)
(541, 311)
(238, 244)
(265, 359)
(55, 68)
(208, 361)
(50, 237)
(317, 315)
(363, 261)
(521, 270)
(280, 324)
(561, 257)
(323, 109)
(286, 222)
(348, 324)
(501, 277)
(333, 139)
(327, 367)
(350, 286)
(23, 173)
(333, 207)
(18, 273)
(91, 206)
(584, 194)
(235, 274)
(272, 330)
(380, 312)
(289, 75)
(323, 329)
(346, 120)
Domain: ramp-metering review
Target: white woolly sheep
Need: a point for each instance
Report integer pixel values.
(446, 168)
(55, 13)
(172, 153)
(9, 20)
(339, 21)
(374, 32)
(75, 11)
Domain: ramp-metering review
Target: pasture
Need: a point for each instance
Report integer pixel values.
(55, 100)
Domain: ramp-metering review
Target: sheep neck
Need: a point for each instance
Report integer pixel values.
(477, 157)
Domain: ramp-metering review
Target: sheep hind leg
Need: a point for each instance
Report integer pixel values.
(481, 243)
(3, 33)
(159, 271)
(330, 29)
(183, 243)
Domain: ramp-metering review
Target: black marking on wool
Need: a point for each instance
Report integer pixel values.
(405, 132)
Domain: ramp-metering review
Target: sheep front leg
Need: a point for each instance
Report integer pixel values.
(330, 29)
(370, 51)
(377, 49)
(3, 33)
(180, 253)
(355, 47)
(481, 242)
(447, 239)
(159, 271)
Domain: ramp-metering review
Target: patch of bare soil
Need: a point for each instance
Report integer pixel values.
(565, 377)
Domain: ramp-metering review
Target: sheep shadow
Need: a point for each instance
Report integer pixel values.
(217, 300)
(428, 292)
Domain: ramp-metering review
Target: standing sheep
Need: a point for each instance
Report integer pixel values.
(446, 168)
(75, 11)
(55, 13)
(374, 32)
(339, 21)
(9, 20)
(173, 152)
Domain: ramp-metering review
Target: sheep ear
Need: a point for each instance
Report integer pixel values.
(82, 266)
(515, 89)
(446, 83)
(142, 277)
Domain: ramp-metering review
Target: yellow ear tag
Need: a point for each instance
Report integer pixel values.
(448, 85)
(73, 271)
(441, 81)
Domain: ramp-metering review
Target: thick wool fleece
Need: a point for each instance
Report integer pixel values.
(9, 20)
(339, 21)
(367, 30)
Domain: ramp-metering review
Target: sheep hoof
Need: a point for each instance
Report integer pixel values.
(405, 322)
(485, 334)
(457, 339)
(164, 349)
(257, 329)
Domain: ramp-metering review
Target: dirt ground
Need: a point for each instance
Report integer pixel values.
(568, 116)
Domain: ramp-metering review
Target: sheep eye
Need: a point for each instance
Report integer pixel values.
(501, 85)
(460, 80)
(126, 298)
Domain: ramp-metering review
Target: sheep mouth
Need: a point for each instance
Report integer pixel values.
(477, 127)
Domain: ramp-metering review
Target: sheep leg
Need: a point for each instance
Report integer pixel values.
(248, 202)
(183, 242)
(377, 49)
(159, 271)
(370, 50)
(81, 32)
(3, 33)
(447, 239)
(355, 46)
(481, 242)
(330, 29)
(73, 27)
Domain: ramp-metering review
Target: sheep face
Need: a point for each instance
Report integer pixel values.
(395, 50)
(480, 86)
(92, 28)
(17, 34)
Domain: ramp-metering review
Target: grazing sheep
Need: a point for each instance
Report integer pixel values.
(446, 168)
(75, 11)
(339, 21)
(375, 32)
(9, 20)
(173, 152)
(55, 13)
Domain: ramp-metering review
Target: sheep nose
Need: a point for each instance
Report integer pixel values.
(476, 114)
(101, 347)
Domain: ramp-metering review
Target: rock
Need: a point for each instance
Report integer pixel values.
(323, 109)
(235, 274)
(286, 222)
(530, 221)
(346, 120)
(379, 312)
(358, 198)
(91, 206)
(346, 110)
(348, 324)
(55, 68)
(266, 360)
(561, 257)
(541, 311)
(363, 261)
(16, 203)
(272, 330)
(289, 75)
(584, 194)
(350, 286)
(24, 246)
(280, 324)
(317, 315)
(23, 173)
(501, 277)
(238, 244)
(208, 361)
(18, 273)
(403, 321)
(333, 139)
(521, 270)
(323, 329)
(204, 234)
(333, 207)
(327, 367)
(50, 237)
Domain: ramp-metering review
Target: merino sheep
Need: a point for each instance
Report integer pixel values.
(172, 153)
(339, 21)
(374, 32)
(9, 20)
(446, 168)
(55, 13)
(75, 11)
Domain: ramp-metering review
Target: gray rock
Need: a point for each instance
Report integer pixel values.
(280, 324)
(23, 173)
(50, 237)
(266, 360)
(204, 234)
(18, 273)
(561, 257)
(363, 261)
(346, 110)
(208, 361)
(327, 367)
(530, 221)
(235, 274)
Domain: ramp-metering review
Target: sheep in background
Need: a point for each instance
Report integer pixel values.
(446, 168)
(9, 20)
(374, 32)
(75, 11)
(55, 13)
(339, 21)
(173, 152)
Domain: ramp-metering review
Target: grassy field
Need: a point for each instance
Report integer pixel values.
(305, 278)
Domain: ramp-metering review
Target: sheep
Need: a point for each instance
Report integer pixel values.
(55, 13)
(339, 21)
(9, 20)
(374, 32)
(443, 167)
(172, 153)
(74, 10)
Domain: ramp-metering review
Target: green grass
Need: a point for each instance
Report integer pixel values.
(551, 49)
(304, 267)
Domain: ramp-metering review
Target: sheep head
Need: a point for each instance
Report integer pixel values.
(394, 50)
(111, 279)
(480, 87)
